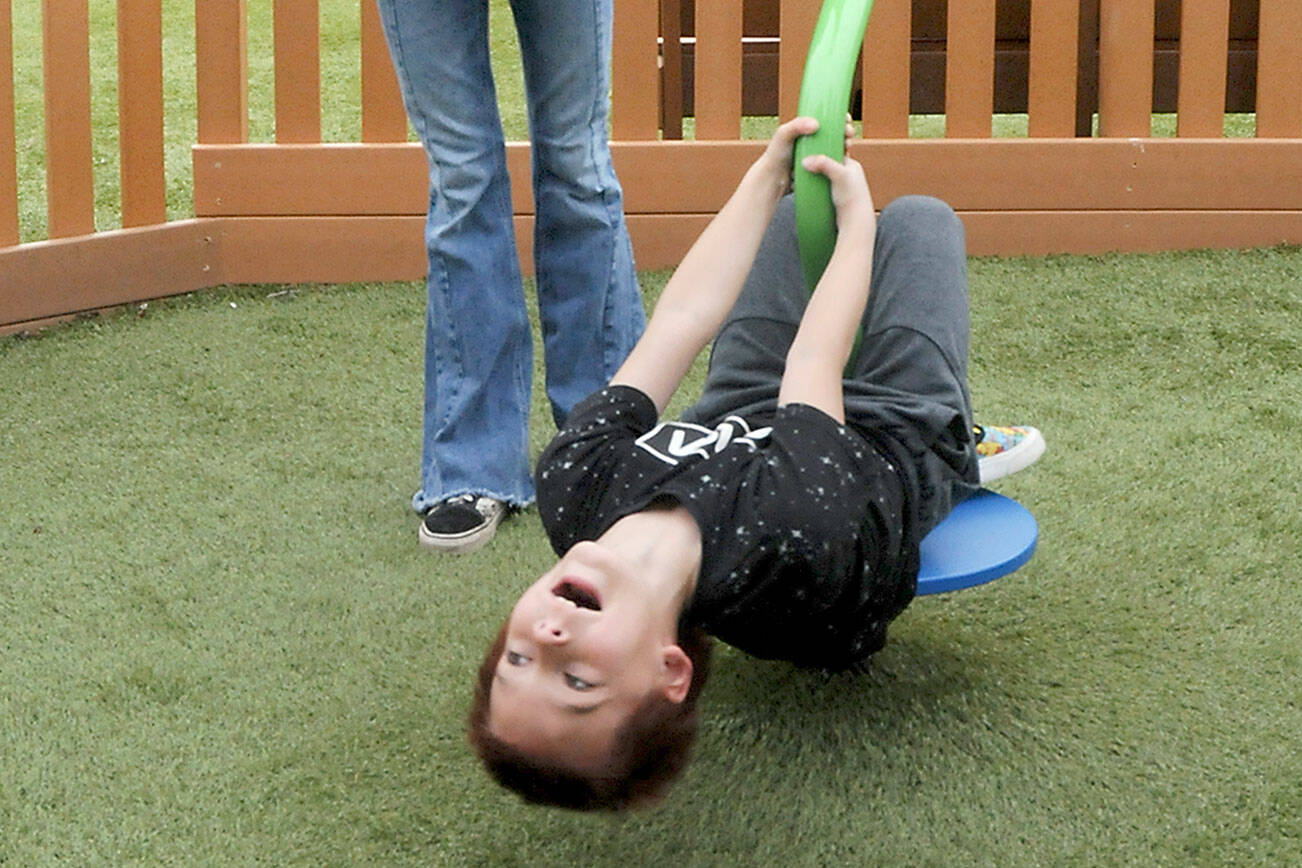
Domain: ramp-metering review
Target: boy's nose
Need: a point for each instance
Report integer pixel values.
(550, 632)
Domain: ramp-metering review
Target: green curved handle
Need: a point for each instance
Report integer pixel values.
(825, 95)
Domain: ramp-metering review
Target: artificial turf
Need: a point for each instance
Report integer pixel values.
(220, 643)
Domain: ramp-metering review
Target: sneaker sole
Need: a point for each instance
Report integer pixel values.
(1018, 458)
(462, 543)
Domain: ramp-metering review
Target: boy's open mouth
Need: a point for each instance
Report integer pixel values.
(579, 593)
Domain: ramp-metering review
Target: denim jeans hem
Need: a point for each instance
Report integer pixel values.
(423, 505)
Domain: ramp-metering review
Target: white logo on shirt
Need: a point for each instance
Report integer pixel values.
(673, 441)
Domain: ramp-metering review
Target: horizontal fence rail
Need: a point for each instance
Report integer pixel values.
(1085, 173)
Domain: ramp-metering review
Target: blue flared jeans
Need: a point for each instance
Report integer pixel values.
(478, 349)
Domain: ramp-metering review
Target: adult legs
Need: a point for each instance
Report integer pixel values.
(588, 298)
(478, 354)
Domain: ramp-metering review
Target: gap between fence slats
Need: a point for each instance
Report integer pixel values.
(1279, 69)
(796, 26)
(1087, 67)
(222, 70)
(1051, 84)
(70, 181)
(671, 69)
(1126, 68)
(717, 77)
(1204, 56)
(296, 28)
(383, 117)
(970, 68)
(635, 76)
(8, 150)
(886, 55)
(140, 112)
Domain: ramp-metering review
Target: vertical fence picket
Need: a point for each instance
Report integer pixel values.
(140, 112)
(970, 68)
(221, 47)
(1126, 31)
(717, 77)
(886, 56)
(635, 76)
(796, 29)
(1279, 69)
(296, 32)
(8, 146)
(383, 117)
(70, 180)
(1204, 55)
(1051, 85)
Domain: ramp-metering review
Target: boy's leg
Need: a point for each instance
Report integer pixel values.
(910, 379)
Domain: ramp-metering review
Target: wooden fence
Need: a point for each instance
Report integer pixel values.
(299, 210)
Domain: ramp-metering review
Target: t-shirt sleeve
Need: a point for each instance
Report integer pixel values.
(576, 473)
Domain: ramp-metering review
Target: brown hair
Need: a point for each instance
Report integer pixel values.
(650, 750)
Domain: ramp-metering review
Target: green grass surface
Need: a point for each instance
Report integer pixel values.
(220, 643)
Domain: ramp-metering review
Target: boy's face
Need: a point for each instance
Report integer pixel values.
(584, 648)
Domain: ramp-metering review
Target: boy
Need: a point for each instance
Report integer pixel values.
(782, 515)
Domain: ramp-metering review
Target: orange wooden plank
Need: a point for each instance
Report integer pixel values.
(51, 278)
(222, 70)
(270, 180)
(297, 36)
(8, 151)
(970, 68)
(140, 112)
(635, 74)
(1279, 69)
(886, 53)
(70, 181)
(321, 249)
(1051, 89)
(698, 177)
(383, 117)
(718, 69)
(1126, 29)
(1037, 233)
(1204, 56)
(796, 22)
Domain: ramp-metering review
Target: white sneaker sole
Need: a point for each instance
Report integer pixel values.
(462, 543)
(1020, 457)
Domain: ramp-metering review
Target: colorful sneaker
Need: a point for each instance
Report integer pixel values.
(461, 524)
(1002, 450)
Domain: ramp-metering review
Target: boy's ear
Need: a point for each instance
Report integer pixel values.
(677, 673)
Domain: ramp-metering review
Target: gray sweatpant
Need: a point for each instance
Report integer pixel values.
(910, 378)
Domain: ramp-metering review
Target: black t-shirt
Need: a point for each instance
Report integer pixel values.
(806, 551)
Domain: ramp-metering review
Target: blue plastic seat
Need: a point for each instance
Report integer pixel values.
(985, 537)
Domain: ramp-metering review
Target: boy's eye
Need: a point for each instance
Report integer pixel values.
(516, 659)
(576, 683)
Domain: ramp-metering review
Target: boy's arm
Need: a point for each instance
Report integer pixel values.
(707, 282)
(817, 357)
